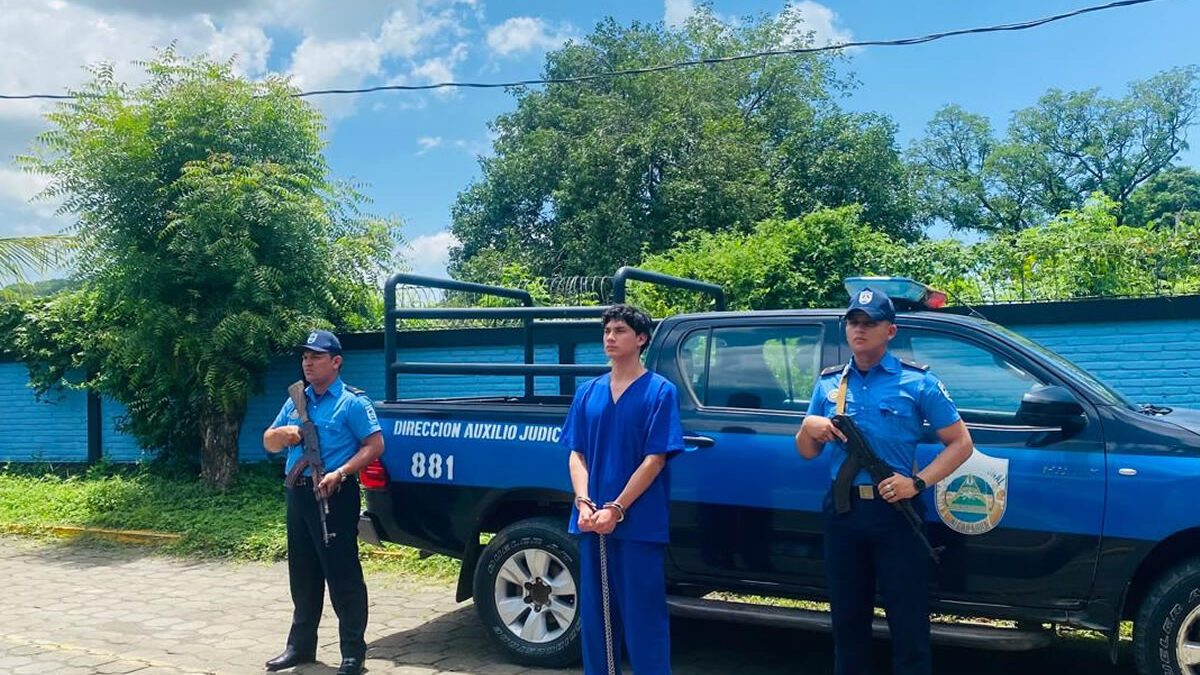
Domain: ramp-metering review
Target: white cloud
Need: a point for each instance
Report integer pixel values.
(249, 46)
(427, 143)
(430, 253)
(21, 186)
(45, 47)
(474, 148)
(820, 22)
(675, 12)
(340, 64)
(441, 69)
(522, 34)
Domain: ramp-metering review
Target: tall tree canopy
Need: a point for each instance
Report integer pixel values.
(589, 176)
(211, 238)
(1166, 199)
(1055, 154)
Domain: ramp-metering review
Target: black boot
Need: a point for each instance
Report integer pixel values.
(290, 657)
(351, 666)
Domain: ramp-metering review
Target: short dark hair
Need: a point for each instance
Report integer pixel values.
(633, 317)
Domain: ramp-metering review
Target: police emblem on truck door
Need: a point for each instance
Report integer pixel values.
(972, 500)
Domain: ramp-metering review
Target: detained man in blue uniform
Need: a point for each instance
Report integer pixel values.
(350, 440)
(621, 429)
(889, 400)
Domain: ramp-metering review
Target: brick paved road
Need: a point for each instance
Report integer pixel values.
(70, 609)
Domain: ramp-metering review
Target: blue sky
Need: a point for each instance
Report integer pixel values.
(415, 151)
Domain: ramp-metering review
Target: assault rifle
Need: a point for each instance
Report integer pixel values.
(859, 455)
(311, 458)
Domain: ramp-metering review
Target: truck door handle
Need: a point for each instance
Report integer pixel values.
(698, 441)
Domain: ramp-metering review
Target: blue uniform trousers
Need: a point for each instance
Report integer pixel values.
(637, 606)
(873, 542)
(311, 565)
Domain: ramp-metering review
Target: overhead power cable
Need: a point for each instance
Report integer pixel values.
(791, 51)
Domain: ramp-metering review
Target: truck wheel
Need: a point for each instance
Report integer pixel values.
(525, 592)
(1166, 633)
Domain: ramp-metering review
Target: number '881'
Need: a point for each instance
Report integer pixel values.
(433, 465)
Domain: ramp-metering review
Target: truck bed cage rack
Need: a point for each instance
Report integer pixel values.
(527, 313)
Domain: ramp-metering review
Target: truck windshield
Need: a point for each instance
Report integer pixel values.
(1083, 378)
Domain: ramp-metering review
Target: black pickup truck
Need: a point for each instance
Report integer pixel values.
(1078, 506)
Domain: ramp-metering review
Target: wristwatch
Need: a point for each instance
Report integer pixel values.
(918, 484)
(341, 474)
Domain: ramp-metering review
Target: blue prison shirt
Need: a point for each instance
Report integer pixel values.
(614, 438)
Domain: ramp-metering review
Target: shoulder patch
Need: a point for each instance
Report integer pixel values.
(832, 370)
(913, 364)
(355, 390)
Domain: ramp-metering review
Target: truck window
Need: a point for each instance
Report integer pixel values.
(985, 386)
(757, 368)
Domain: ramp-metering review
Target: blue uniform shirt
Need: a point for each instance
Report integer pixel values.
(890, 405)
(343, 419)
(614, 438)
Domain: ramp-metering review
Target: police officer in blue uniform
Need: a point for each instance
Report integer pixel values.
(350, 440)
(889, 400)
(621, 429)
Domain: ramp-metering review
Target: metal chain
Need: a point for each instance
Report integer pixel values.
(604, 596)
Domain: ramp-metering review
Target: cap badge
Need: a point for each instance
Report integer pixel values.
(865, 297)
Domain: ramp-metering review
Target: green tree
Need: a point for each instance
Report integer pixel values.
(1055, 154)
(1113, 145)
(211, 239)
(590, 176)
(1166, 199)
(1085, 253)
(780, 264)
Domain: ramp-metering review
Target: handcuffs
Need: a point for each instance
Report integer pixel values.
(616, 505)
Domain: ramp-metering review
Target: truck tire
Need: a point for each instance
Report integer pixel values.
(1166, 632)
(525, 592)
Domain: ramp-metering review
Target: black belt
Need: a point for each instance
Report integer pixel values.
(862, 492)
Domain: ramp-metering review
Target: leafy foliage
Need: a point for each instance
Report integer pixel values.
(1085, 253)
(1167, 199)
(19, 255)
(780, 264)
(802, 262)
(211, 238)
(1055, 154)
(24, 289)
(587, 177)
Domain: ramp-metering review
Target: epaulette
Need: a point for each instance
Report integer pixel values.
(831, 370)
(913, 364)
(355, 390)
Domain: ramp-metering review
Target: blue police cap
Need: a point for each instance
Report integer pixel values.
(875, 304)
(322, 341)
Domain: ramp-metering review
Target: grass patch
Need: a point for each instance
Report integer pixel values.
(409, 562)
(245, 522)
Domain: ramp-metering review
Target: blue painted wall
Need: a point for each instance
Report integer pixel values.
(40, 431)
(1150, 361)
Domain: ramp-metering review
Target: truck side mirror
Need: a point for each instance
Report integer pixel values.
(1050, 406)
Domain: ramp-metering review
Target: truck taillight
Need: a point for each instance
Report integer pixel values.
(374, 477)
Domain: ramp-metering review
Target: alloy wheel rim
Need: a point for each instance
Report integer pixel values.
(535, 596)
